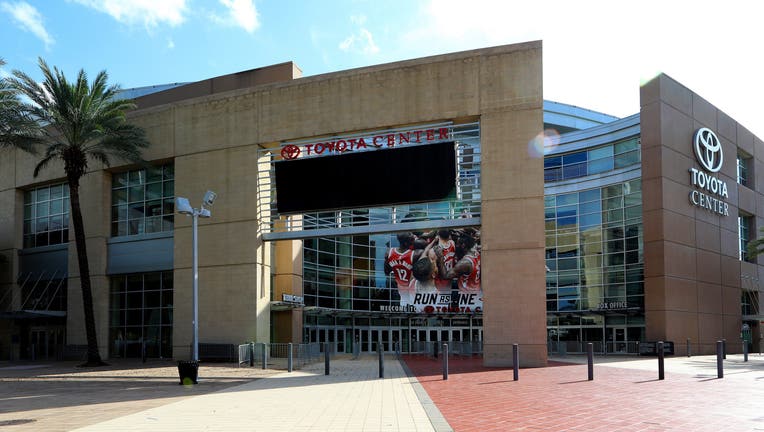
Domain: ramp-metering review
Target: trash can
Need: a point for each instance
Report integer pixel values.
(188, 371)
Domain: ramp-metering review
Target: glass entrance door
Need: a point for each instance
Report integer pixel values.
(619, 340)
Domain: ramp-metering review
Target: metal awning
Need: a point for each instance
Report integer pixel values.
(344, 313)
(282, 306)
(31, 314)
(620, 312)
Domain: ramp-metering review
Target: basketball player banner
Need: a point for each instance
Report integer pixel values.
(436, 272)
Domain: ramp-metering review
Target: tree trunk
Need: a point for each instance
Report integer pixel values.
(94, 358)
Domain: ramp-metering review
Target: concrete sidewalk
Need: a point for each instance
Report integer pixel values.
(351, 398)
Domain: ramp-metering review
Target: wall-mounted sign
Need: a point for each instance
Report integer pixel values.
(371, 141)
(710, 191)
(289, 298)
(612, 305)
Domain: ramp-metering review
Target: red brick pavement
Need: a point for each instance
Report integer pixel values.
(560, 398)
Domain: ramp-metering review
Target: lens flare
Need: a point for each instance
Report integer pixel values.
(543, 143)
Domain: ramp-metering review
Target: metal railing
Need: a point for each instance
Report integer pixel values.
(276, 355)
(455, 348)
(600, 347)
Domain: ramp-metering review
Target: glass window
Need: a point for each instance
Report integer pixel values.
(567, 199)
(745, 223)
(140, 314)
(142, 201)
(601, 159)
(590, 207)
(552, 162)
(595, 260)
(552, 174)
(588, 196)
(574, 170)
(626, 146)
(627, 159)
(573, 158)
(46, 215)
(743, 168)
(594, 161)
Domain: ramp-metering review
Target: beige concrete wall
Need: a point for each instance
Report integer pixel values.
(692, 271)
(234, 264)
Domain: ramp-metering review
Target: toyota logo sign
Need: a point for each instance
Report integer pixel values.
(290, 152)
(708, 150)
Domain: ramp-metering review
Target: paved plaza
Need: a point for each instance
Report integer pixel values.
(625, 395)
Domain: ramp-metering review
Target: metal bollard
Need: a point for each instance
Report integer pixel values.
(326, 358)
(745, 350)
(590, 359)
(515, 362)
(661, 356)
(719, 357)
(265, 355)
(289, 358)
(251, 354)
(688, 348)
(381, 360)
(724, 349)
(445, 361)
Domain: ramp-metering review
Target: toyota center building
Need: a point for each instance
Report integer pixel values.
(433, 200)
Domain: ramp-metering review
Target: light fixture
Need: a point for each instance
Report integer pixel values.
(184, 207)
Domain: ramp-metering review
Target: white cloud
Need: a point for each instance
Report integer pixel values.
(362, 41)
(241, 13)
(150, 13)
(170, 44)
(29, 19)
(596, 52)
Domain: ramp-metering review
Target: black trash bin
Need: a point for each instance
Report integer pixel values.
(188, 371)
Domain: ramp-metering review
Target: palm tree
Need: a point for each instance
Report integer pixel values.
(17, 128)
(82, 122)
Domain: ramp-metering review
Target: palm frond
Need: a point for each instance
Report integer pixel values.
(45, 161)
(18, 128)
(756, 246)
(84, 119)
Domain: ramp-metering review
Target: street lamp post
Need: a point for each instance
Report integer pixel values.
(184, 207)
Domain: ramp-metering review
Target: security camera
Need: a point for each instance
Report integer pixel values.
(183, 206)
(209, 198)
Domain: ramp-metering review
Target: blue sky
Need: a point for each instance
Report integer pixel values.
(596, 53)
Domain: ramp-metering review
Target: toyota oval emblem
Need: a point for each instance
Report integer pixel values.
(290, 151)
(708, 150)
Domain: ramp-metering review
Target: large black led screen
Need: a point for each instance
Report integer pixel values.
(366, 179)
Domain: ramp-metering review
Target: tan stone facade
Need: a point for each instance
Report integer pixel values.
(212, 132)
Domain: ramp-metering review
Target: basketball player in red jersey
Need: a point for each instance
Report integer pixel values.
(447, 249)
(467, 268)
(400, 260)
(428, 267)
